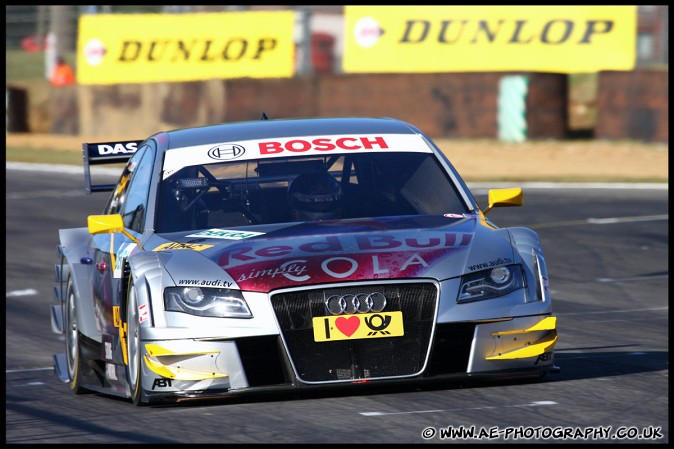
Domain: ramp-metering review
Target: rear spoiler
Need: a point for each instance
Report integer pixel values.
(105, 153)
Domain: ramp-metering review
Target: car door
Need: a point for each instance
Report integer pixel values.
(129, 199)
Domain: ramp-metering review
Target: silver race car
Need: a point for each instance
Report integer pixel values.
(293, 254)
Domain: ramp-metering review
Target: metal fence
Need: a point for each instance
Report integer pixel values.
(33, 22)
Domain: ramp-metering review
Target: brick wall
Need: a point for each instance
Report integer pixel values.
(631, 105)
(247, 99)
(456, 105)
(547, 106)
(461, 105)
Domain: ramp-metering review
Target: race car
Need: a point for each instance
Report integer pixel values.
(293, 254)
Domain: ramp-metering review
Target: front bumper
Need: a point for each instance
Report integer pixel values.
(199, 367)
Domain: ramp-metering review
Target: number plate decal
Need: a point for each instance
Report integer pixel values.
(354, 327)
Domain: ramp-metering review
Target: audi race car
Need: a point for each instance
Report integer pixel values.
(289, 255)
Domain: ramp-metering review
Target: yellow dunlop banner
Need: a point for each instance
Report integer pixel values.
(424, 39)
(142, 48)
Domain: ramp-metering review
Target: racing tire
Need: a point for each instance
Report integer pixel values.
(76, 365)
(134, 352)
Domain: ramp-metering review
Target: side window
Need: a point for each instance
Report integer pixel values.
(131, 195)
(135, 204)
(119, 194)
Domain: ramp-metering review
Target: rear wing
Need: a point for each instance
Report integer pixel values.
(105, 153)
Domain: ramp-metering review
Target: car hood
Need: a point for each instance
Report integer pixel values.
(297, 254)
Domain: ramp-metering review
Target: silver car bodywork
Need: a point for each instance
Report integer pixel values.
(363, 299)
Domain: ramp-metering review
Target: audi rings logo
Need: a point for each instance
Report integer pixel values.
(226, 152)
(358, 303)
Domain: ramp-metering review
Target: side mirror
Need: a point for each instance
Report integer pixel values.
(504, 198)
(105, 224)
(109, 224)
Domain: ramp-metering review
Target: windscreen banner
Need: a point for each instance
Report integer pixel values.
(426, 39)
(146, 48)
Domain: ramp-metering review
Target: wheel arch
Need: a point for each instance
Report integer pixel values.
(78, 267)
(528, 245)
(147, 275)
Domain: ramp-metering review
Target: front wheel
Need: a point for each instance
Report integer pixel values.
(134, 348)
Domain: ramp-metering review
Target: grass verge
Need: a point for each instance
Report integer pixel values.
(43, 156)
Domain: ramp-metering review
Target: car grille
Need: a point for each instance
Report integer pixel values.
(356, 359)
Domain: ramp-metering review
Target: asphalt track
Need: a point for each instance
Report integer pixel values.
(607, 253)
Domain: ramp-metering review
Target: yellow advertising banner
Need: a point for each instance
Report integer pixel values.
(142, 48)
(424, 39)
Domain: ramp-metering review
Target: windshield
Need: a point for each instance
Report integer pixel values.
(281, 190)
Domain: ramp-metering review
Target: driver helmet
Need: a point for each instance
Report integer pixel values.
(315, 196)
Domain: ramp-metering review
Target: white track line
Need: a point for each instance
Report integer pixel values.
(650, 309)
(531, 404)
(51, 368)
(61, 168)
(26, 292)
(472, 185)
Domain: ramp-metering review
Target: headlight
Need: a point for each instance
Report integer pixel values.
(490, 283)
(213, 302)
